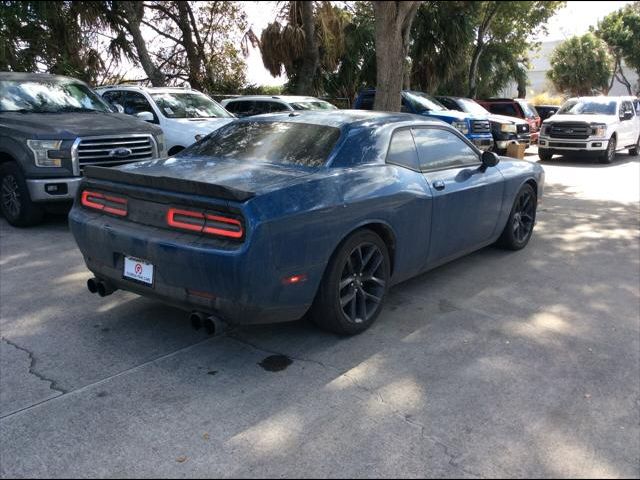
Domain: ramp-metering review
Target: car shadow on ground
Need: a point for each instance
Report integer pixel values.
(588, 162)
(509, 362)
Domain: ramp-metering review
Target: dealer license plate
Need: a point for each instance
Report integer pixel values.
(139, 270)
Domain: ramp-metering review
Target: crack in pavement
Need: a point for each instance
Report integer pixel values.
(453, 457)
(32, 365)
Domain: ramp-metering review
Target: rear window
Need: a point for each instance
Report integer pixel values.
(271, 142)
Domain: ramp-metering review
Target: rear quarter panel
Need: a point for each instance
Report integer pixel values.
(305, 223)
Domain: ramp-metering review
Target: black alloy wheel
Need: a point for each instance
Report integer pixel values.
(10, 196)
(362, 283)
(524, 216)
(519, 228)
(15, 202)
(353, 288)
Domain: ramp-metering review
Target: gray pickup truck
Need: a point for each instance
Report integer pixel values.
(51, 127)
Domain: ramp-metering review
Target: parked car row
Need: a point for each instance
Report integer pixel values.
(52, 127)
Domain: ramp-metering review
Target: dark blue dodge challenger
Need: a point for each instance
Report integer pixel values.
(274, 216)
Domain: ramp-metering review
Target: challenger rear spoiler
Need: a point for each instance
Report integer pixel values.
(170, 184)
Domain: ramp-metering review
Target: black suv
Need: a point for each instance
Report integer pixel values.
(51, 127)
(505, 130)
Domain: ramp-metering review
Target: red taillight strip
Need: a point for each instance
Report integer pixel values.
(236, 232)
(225, 233)
(172, 222)
(87, 195)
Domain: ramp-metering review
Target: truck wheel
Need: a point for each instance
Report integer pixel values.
(610, 153)
(354, 286)
(544, 154)
(633, 151)
(15, 202)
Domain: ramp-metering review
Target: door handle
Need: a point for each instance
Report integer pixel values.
(438, 185)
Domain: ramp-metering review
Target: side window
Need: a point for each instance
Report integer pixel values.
(626, 107)
(450, 104)
(240, 108)
(438, 148)
(112, 97)
(402, 150)
(260, 108)
(135, 103)
(636, 104)
(276, 107)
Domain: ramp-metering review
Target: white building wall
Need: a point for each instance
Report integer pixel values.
(540, 65)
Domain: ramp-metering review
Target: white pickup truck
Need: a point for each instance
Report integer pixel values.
(600, 126)
(184, 115)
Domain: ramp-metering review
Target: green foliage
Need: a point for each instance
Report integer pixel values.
(503, 37)
(357, 65)
(621, 31)
(282, 42)
(50, 36)
(581, 65)
(442, 35)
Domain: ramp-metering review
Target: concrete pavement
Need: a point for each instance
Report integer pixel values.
(522, 364)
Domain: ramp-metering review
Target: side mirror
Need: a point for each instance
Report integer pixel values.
(628, 115)
(146, 116)
(490, 159)
(117, 108)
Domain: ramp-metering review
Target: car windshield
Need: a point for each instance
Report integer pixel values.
(528, 109)
(588, 107)
(188, 105)
(271, 142)
(313, 105)
(48, 96)
(473, 107)
(423, 102)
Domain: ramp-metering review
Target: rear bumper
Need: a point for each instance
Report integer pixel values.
(240, 285)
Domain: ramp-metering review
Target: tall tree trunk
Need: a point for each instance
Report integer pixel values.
(483, 28)
(522, 87)
(193, 59)
(311, 55)
(133, 13)
(392, 28)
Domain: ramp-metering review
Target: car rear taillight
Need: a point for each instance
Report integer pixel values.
(105, 203)
(202, 222)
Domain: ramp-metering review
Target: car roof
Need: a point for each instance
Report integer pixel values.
(346, 118)
(148, 89)
(36, 77)
(284, 98)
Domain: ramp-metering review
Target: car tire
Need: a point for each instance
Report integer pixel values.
(354, 286)
(544, 154)
(609, 155)
(15, 201)
(633, 151)
(522, 218)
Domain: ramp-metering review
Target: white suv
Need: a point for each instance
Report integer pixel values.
(184, 115)
(596, 125)
(250, 105)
